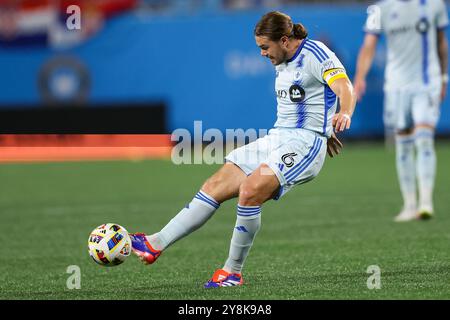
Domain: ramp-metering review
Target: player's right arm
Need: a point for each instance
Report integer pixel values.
(364, 62)
(373, 29)
(443, 60)
(442, 43)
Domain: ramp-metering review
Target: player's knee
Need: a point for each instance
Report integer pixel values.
(424, 138)
(404, 132)
(250, 194)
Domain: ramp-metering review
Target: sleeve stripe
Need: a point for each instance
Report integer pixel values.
(315, 54)
(315, 45)
(316, 51)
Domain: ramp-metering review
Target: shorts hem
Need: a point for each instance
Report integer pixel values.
(236, 164)
(277, 173)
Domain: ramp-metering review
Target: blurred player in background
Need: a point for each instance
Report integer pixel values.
(415, 84)
(309, 81)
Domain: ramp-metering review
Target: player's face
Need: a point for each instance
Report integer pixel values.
(274, 50)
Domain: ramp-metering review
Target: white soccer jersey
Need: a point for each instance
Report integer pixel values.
(304, 97)
(410, 27)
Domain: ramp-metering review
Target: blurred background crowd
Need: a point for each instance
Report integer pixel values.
(195, 58)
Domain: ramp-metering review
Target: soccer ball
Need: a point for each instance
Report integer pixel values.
(109, 244)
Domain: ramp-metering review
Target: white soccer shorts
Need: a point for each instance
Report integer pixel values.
(406, 109)
(294, 155)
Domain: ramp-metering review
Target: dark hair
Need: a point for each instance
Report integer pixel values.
(275, 25)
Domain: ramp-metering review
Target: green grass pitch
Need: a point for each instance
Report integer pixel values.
(316, 243)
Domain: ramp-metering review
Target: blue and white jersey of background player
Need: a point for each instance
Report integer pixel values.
(304, 97)
(410, 27)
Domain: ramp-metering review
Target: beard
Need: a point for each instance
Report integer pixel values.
(277, 61)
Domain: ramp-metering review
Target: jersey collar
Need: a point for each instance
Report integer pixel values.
(300, 47)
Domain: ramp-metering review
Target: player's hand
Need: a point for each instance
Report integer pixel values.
(334, 146)
(359, 86)
(341, 121)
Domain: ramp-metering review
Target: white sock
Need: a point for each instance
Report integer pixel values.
(426, 165)
(247, 226)
(189, 219)
(406, 170)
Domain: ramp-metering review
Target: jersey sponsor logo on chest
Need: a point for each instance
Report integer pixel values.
(282, 94)
(296, 93)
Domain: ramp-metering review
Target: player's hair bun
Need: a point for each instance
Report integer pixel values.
(299, 31)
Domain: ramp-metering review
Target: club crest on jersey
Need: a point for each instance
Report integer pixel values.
(296, 93)
(297, 75)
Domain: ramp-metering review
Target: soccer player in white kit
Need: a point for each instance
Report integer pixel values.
(415, 83)
(309, 81)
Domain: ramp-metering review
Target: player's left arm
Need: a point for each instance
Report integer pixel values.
(443, 60)
(343, 89)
